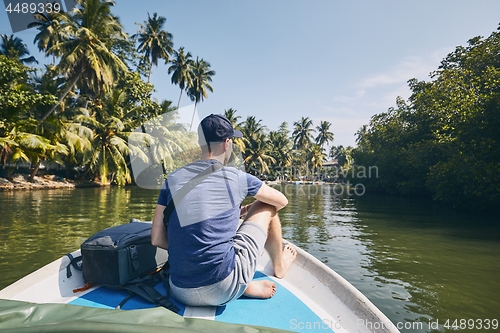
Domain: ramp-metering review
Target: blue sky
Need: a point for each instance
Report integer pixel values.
(340, 61)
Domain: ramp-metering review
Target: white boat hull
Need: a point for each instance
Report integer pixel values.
(328, 301)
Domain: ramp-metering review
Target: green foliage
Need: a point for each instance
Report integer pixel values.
(136, 90)
(17, 94)
(281, 149)
(316, 156)
(18, 104)
(444, 140)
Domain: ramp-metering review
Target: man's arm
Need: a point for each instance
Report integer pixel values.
(159, 235)
(270, 196)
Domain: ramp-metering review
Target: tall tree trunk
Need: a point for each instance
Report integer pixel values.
(61, 98)
(35, 170)
(10, 170)
(151, 155)
(164, 169)
(179, 103)
(192, 118)
(148, 146)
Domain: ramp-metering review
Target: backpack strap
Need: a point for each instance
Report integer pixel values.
(145, 287)
(149, 293)
(164, 274)
(73, 261)
(183, 191)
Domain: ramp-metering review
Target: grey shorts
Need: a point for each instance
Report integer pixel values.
(248, 245)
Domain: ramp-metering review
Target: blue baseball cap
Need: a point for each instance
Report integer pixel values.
(216, 128)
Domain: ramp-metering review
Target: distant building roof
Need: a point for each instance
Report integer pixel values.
(331, 163)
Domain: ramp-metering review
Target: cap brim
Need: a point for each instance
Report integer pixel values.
(237, 134)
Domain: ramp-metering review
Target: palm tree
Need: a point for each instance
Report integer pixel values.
(181, 71)
(230, 114)
(7, 145)
(35, 149)
(49, 83)
(349, 156)
(251, 128)
(60, 130)
(87, 56)
(316, 156)
(202, 76)
(166, 107)
(361, 137)
(339, 153)
(50, 32)
(281, 148)
(284, 129)
(154, 42)
(172, 145)
(257, 154)
(256, 146)
(14, 48)
(324, 134)
(363, 130)
(302, 135)
(110, 122)
(109, 149)
(166, 142)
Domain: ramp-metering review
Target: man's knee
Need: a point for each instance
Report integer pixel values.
(261, 213)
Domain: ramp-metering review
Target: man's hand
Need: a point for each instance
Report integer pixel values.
(244, 210)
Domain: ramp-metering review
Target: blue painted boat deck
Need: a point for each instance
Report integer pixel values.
(283, 311)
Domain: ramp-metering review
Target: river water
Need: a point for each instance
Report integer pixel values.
(427, 267)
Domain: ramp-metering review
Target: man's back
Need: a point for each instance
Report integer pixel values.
(202, 226)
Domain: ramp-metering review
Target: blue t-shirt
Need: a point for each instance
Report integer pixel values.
(203, 224)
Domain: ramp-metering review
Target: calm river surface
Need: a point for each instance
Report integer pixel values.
(415, 260)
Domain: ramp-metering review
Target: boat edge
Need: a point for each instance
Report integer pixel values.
(351, 297)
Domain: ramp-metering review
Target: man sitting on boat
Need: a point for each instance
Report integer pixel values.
(212, 258)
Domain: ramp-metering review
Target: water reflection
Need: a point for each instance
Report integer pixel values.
(435, 262)
(37, 227)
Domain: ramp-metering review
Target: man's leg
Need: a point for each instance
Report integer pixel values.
(282, 257)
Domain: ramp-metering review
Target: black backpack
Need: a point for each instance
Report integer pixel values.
(122, 257)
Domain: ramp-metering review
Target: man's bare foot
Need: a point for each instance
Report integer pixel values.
(288, 256)
(260, 289)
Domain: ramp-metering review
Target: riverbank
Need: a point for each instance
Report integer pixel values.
(21, 182)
